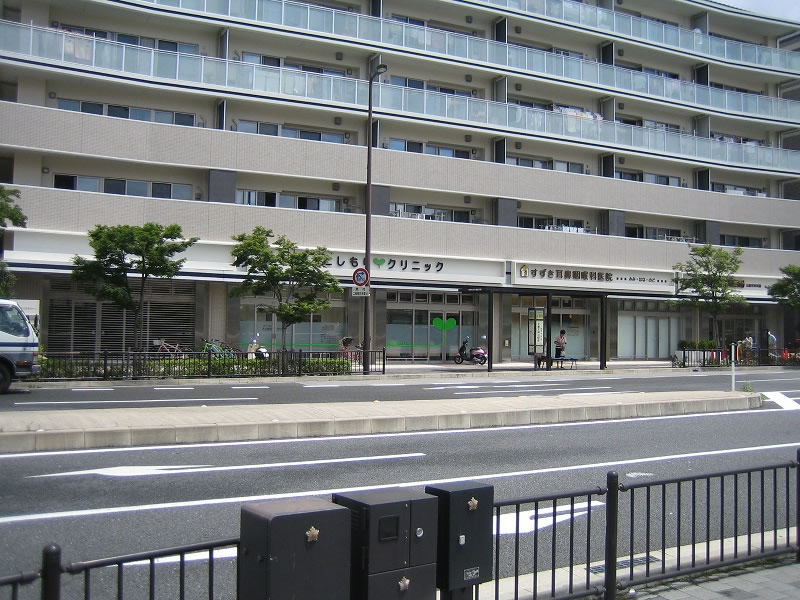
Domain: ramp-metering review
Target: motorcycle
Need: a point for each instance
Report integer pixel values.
(256, 350)
(477, 356)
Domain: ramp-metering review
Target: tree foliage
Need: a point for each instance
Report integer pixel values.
(708, 276)
(123, 252)
(787, 289)
(297, 277)
(9, 211)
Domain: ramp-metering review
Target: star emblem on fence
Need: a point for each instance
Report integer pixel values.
(403, 584)
(312, 535)
(473, 503)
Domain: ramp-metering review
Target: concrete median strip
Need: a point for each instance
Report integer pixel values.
(27, 431)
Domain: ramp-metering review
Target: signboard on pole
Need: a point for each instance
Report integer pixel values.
(360, 291)
(361, 277)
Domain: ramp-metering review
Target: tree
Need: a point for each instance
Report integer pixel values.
(9, 211)
(123, 251)
(297, 277)
(787, 290)
(708, 277)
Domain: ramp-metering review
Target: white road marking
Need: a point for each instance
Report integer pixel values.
(173, 388)
(388, 384)
(249, 387)
(346, 438)
(48, 402)
(142, 471)
(782, 401)
(636, 474)
(560, 390)
(529, 520)
(323, 385)
(596, 393)
(768, 380)
(327, 492)
(91, 389)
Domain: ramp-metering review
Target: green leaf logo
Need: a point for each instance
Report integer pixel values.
(441, 325)
(379, 261)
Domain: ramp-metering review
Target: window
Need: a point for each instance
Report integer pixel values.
(661, 179)
(260, 59)
(77, 182)
(309, 203)
(670, 127)
(128, 112)
(416, 84)
(739, 190)
(93, 108)
(13, 322)
(661, 233)
(405, 145)
(569, 167)
(121, 112)
(409, 20)
(446, 151)
(175, 191)
(741, 241)
(628, 175)
(255, 198)
(308, 134)
(448, 90)
(114, 186)
(537, 163)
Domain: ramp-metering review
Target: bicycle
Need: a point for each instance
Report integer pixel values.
(217, 348)
(171, 348)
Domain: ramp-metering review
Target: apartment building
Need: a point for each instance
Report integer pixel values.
(535, 163)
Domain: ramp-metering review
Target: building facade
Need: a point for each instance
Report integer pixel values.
(534, 162)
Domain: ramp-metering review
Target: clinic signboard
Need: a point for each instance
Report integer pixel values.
(591, 278)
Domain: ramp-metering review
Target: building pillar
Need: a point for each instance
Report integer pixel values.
(612, 222)
(221, 186)
(506, 212)
(708, 232)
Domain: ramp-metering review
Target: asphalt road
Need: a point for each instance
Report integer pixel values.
(101, 503)
(411, 388)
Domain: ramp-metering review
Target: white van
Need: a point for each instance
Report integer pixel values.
(19, 345)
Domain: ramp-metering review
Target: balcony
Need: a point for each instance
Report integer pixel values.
(392, 33)
(60, 48)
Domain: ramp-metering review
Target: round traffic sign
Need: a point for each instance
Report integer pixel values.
(361, 277)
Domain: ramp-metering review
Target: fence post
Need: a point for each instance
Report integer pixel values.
(208, 365)
(105, 364)
(383, 357)
(612, 515)
(300, 362)
(51, 572)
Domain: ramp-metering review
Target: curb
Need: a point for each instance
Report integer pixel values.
(237, 431)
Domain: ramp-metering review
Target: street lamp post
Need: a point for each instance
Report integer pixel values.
(381, 68)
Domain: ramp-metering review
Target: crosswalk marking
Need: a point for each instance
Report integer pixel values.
(782, 401)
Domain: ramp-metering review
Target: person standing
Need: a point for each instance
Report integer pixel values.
(561, 345)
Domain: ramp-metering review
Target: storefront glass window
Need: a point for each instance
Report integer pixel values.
(399, 334)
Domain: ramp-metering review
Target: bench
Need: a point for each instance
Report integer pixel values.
(572, 361)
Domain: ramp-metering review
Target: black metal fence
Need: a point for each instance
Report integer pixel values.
(745, 357)
(159, 365)
(549, 546)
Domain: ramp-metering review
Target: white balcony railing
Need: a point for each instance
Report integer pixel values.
(103, 57)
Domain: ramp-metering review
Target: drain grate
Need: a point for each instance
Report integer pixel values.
(625, 564)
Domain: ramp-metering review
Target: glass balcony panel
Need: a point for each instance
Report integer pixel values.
(717, 97)
(657, 139)
(672, 88)
(516, 116)
(345, 24)
(639, 83)
(639, 137)
(622, 23)
(735, 153)
(518, 4)
(392, 97)
(394, 33)
(639, 28)
(733, 50)
(623, 135)
(766, 157)
(270, 11)
(793, 161)
(165, 64)
(554, 122)
(517, 57)
(218, 7)
(14, 38)
(655, 32)
(240, 75)
(415, 37)
(537, 6)
(703, 147)
(749, 154)
(457, 45)
(319, 86)
(624, 77)
(498, 53)
(749, 53)
(572, 12)
(295, 15)
(608, 75)
(214, 71)
(244, 9)
(458, 108)
(589, 15)
(688, 145)
(138, 60)
(591, 72)
(190, 68)
(320, 19)
(703, 95)
(605, 20)
(764, 56)
(765, 106)
(191, 4)
(607, 131)
(733, 101)
(687, 39)
(792, 60)
(268, 80)
(590, 129)
(555, 9)
(688, 92)
(436, 104)
(343, 90)
(750, 103)
(672, 36)
(415, 101)
(673, 143)
(572, 68)
(436, 41)
(362, 93)
(497, 114)
(572, 126)
(780, 108)
(78, 49)
(537, 61)
(369, 29)
(719, 150)
(655, 85)
(108, 55)
(717, 47)
(555, 64)
(293, 83)
(536, 120)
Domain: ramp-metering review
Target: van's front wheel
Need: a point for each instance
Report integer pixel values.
(5, 378)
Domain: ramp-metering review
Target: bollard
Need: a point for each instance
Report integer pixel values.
(612, 514)
(51, 572)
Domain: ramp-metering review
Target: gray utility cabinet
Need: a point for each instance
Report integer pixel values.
(465, 534)
(393, 544)
(294, 549)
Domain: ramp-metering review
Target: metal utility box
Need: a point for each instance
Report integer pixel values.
(465, 534)
(294, 550)
(393, 544)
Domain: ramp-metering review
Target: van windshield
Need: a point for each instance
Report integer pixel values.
(13, 322)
